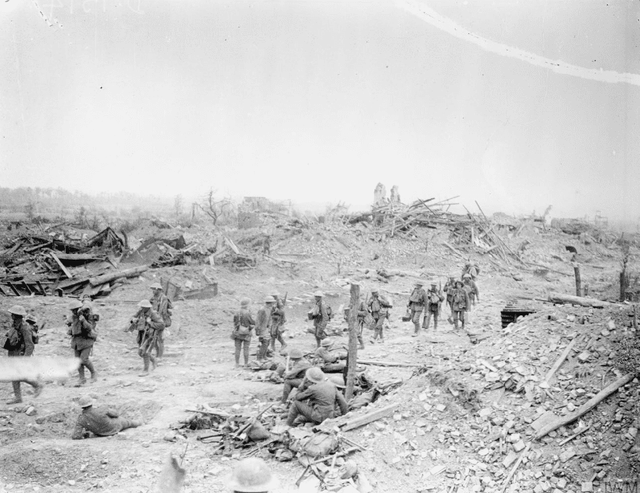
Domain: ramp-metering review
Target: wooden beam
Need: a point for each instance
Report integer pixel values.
(62, 267)
(135, 271)
(577, 300)
(560, 360)
(359, 421)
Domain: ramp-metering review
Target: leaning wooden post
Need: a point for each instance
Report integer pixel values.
(576, 270)
(353, 340)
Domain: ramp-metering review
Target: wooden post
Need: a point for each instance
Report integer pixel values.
(576, 270)
(353, 340)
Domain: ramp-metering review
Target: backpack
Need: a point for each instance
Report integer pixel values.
(329, 312)
(166, 318)
(35, 336)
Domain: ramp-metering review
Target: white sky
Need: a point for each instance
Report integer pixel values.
(515, 104)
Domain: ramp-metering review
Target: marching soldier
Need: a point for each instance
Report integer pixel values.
(320, 317)
(460, 304)
(379, 309)
(243, 324)
(472, 269)
(162, 305)
(20, 343)
(146, 321)
(83, 336)
(277, 322)
(417, 302)
(363, 311)
(472, 289)
(263, 327)
(448, 288)
(434, 301)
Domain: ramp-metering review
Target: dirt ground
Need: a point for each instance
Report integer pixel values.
(436, 441)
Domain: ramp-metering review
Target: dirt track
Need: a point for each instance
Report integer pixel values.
(38, 455)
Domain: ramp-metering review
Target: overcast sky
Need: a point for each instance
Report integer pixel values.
(515, 104)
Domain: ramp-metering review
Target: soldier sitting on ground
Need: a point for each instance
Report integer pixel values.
(100, 423)
(317, 400)
(330, 356)
(294, 376)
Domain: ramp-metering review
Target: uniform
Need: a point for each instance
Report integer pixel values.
(460, 304)
(320, 318)
(379, 310)
(20, 343)
(417, 302)
(102, 424)
(472, 289)
(162, 305)
(147, 321)
(263, 328)
(294, 377)
(322, 399)
(81, 329)
(448, 289)
(434, 301)
(243, 324)
(277, 321)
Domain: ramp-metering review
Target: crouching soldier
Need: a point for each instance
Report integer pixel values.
(83, 337)
(330, 357)
(294, 376)
(146, 321)
(100, 423)
(318, 400)
(20, 343)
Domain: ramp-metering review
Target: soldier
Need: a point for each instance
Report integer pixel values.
(293, 377)
(363, 311)
(83, 336)
(329, 357)
(460, 304)
(102, 424)
(320, 317)
(147, 322)
(472, 289)
(322, 398)
(379, 309)
(162, 305)
(448, 288)
(417, 302)
(434, 302)
(472, 269)
(277, 321)
(20, 343)
(243, 324)
(252, 475)
(263, 327)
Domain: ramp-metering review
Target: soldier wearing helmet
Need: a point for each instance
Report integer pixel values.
(263, 327)
(100, 423)
(318, 400)
(449, 286)
(81, 329)
(293, 377)
(243, 324)
(472, 288)
(146, 321)
(20, 343)
(417, 303)
(460, 304)
(161, 304)
(277, 322)
(252, 475)
(320, 317)
(379, 308)
(434, 301)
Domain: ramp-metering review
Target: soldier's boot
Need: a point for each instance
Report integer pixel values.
(92, 371)
(81, 378)
(360, 342)
(17, 399)
(37, 388)
(154, 363)
(416, 329)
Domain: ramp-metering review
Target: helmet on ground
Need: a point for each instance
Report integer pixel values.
(315, 375)
(245, 302)
(31, 318)
(75, 304)
(269, 299)
(318, 294)
(466, 276)
(252, 475)
(18, 310)
(85, 401)
(144, 304)
(295, 353)
(326, 342)
(156, 285)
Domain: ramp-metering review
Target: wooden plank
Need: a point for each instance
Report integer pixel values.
(577, 300)
(26, 286)
(62, 267)
(359, 421)
(585, 408)
(42, 290)
(560, 360)
(13, 288)
(105, 278)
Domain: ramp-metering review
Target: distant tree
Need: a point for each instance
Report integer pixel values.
(216, 208)
(30, 210)
(81, 217)
(178, 206)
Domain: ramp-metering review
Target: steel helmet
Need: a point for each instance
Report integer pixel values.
(466, 276)
(85, 401)
(269, 299)
(75, 304)
(318, 294)
(31, 318)
(18, 310)
(326, 342)
(245, 302)
(144, 304)
(295, 353)
(315, 375)
(156, 285)
(252, 475)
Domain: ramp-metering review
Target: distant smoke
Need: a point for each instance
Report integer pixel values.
(432, 17)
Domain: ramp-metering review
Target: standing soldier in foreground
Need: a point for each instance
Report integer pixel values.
(243, 324)
(434, 302)
(277, 321)
(362, 316)
(417, 303)
(161, 304)
(81, 329)
(263, 327)
(320, 318)
(20, 343)
(147, 322)
(448, 288)
(460, 304)
(379, 309)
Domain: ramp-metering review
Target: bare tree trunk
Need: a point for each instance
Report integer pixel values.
(576, 270)
(353, 340)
